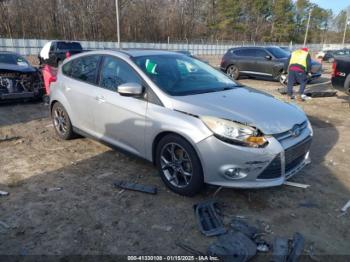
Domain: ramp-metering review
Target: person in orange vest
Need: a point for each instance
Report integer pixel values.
(299, 65)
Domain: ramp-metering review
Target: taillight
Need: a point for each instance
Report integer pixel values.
(52, 79)
(334, 69)
(67, 55)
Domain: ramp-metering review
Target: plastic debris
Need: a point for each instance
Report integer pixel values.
(346, 206)
(136, 187)
(4, 193)
(236, 247)
(52, 189)
(209, 219)
(288, 183)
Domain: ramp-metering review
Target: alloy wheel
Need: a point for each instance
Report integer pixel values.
(176, 165)
(60, 121)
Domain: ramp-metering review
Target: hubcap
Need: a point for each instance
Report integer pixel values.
(60, 121)
(176, 165)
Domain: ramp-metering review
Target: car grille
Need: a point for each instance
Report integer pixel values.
(296, 154)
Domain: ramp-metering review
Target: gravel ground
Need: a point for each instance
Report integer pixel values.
(62, 201)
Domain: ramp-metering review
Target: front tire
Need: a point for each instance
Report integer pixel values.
(61, 122)
(179, 165)
(233, 72)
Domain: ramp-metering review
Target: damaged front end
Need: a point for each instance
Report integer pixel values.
(19, 85)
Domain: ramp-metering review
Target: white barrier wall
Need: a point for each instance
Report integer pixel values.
(33, 46)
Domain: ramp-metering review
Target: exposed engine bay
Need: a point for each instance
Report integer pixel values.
(20, 85)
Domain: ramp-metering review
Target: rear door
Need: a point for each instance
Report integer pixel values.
(80, 88)
(245, 59)
(119, 120)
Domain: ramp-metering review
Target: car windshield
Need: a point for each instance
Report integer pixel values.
(180, 75)
(13, 60)
(69, 46)
(278, 52)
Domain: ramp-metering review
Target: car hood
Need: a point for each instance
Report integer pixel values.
(244, 105)
(17, 68)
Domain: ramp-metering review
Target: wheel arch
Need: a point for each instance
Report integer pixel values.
(165, 133)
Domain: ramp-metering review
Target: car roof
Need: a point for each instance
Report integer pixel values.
(147, 52)
(248, 47)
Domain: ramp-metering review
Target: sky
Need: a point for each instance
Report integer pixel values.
(335, 5)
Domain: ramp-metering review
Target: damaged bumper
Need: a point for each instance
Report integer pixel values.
(241, 167)
(18, 85)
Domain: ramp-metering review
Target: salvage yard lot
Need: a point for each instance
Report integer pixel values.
(62, 200)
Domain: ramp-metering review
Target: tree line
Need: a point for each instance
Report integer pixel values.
(183, 20)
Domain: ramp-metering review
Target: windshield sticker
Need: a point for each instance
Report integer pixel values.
(151, 67)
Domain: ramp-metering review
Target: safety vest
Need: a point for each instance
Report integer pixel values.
(299, 57)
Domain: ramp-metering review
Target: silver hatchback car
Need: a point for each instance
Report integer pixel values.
(193, 122)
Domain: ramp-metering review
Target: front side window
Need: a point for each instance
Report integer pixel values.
(85, 68)
(181, 75)
(115, 72)
(278, 52)
(244, 52)
(260, 53)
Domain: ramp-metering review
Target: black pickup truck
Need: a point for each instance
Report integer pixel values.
(341, 73)
(53, 53)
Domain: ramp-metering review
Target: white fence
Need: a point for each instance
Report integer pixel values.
(33, 46)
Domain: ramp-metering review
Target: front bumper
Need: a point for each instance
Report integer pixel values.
(258, 167)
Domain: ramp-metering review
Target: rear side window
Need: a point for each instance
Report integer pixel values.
(115, 72)
(244, 52)
(85, 68)
(67, 69)
(69, 46)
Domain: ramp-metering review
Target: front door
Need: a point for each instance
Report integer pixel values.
(119, 120)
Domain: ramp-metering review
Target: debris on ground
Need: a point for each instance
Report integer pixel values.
(289, 183)
(163, 228)
(262, 247)
(209, 218)
(53, 189)
(238, 225)
(136, 187)
(233, 247)
(9, 138)
(280, 249)
(189, 249)
(3, 224)
(309, 204)
(345, 207)
(4, 193)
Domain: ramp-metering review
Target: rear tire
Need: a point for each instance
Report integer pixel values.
(61, 122)
(233, 72)
(179, 165)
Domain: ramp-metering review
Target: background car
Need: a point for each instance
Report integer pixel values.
(329, 55)
(341, 73)
(18, 78)
(267, 62)
(196, 124)
(54, 52)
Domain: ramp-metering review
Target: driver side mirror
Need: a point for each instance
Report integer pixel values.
(268, 57)
(130, 89)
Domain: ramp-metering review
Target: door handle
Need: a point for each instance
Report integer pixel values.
(100, 99)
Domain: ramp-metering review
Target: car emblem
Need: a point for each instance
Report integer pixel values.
(296, 131)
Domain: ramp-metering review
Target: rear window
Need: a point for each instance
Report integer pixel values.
(69, 46)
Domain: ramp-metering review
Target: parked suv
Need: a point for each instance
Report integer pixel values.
(260, 62)
(193, 122)
(53, 53)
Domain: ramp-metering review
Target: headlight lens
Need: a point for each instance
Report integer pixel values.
(234, 132)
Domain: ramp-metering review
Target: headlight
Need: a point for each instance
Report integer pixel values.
(234, 133)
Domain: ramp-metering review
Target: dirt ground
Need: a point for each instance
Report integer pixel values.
(62, 201)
